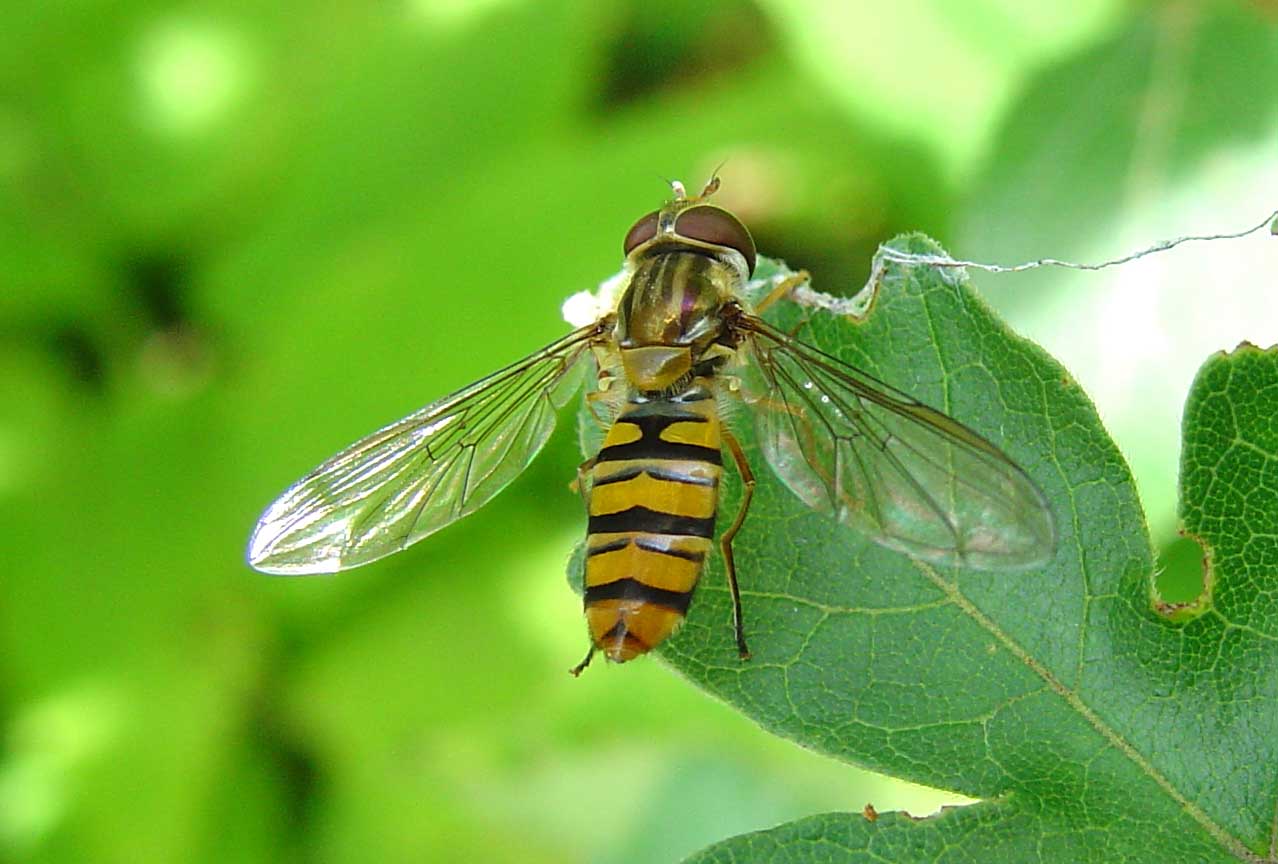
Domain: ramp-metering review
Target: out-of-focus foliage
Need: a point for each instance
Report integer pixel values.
(233, 237)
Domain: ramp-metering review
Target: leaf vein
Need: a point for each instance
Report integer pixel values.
(1232, 844)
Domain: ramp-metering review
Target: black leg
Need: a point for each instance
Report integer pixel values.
(725, 542)
(576, 670)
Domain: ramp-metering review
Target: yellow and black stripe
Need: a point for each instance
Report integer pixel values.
(653, 500)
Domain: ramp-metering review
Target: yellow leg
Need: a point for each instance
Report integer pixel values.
(595, 396)
(725, 542)
(579, 482)
(804, 438)
(783, 289)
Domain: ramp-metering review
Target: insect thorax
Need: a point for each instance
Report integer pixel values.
(670, 315)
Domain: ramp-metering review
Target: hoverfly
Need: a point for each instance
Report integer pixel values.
(680, 341)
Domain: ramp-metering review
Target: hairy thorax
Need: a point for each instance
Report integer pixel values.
(670, 316)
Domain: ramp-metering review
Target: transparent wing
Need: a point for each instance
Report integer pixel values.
(906, 475)
(421, 473)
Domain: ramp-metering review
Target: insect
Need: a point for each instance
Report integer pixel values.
(679, 344)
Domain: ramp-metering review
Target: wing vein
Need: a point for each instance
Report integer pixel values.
(904, 474)
(417, 475)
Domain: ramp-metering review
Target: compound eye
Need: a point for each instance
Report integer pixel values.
(642, 231)
(718, 227)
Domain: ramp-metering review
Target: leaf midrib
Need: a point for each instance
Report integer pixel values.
(1231, 843)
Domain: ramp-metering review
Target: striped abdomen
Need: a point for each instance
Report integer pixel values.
(653, 498)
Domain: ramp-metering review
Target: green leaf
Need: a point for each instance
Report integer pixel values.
(1229, 480)
(1095, 727)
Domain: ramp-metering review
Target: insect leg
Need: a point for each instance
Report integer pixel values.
(782, 289)
(579, 482)
(725, 542)
(576, 670)
(595, 396)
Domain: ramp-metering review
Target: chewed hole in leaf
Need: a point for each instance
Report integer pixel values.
(1180, 580)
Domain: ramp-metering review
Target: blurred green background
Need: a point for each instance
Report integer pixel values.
(234, 237)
